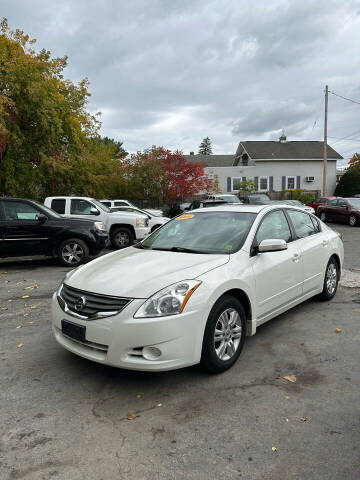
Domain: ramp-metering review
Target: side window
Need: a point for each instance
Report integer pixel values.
(316, 224)
(19, 211)
(274, 225)
(341, 203)
(302, 222)
(80, 207)
(331, 203)
(107, 204)
(120, 204)
(58, 204)
(317, 200)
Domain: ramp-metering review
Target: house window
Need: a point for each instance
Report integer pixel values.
(290, 183)
(263, 184)
(235, 184)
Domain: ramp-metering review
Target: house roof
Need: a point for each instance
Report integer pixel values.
(212, 160)
(288, 150)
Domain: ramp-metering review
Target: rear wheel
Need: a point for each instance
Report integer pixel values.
(121, 237)
(224, 335)
(352, 220)
(331, 280)
(73, 252)
(323, 216)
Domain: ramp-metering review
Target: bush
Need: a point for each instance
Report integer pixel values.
(349, 184)
(297, 194)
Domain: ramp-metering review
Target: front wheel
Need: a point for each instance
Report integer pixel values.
(224, 335)
(72, 252)
(121, 237)
(352, 220)
(323, 217)
(331, 280)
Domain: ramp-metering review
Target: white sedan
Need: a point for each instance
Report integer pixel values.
(193, 289)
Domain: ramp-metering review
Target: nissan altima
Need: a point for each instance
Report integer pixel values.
(195, 288)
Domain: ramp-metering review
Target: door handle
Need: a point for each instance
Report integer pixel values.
(324, 243)
(296, 257)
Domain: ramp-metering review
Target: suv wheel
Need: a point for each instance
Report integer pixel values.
(121, 237)
(352, 220)
(323, 217)
(224, 335)
(330, 281)
(72, 252)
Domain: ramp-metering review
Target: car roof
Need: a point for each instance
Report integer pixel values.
(248, 208)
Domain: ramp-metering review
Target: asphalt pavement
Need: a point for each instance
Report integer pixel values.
(66, 418)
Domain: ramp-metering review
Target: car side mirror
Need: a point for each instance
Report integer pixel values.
(41, 218)
(272, 245)
(94, 211)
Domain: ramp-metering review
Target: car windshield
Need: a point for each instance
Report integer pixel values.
(354, 202)
(296, 203)
(258, 198)
(101, 206)
(229, 198)
(202, 232)
(49, 210)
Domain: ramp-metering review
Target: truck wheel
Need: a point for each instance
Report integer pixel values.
(121, 237)
(72, 252)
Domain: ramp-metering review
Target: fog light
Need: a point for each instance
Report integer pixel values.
(151, 353)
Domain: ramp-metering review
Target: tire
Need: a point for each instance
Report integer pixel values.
(323, 216)
(331, 280)
(155, 227)
(72, 252)
(352, 220)
(121, 237)
(226, 309)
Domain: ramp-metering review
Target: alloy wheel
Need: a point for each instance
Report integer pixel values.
(227, 335)
(352, 220)
(331, 278)
(72, 253)
(323, 217)
(122, 239)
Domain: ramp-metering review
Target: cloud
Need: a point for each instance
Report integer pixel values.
(172, 72)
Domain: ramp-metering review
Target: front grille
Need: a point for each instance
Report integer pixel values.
(91, 305)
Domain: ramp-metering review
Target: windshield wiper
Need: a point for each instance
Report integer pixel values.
(179, 249)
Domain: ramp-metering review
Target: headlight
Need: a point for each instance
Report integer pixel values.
(169, 301)
(100, 226)
(141, 222)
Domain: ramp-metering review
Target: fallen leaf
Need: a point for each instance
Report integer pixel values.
(274, 449)
(20, 345)
(338, 330)
(287, 397)
(138, 396)
(132, 416)
(4, 308)
(30, 323)
(303, 419)
(159, 405)
(3, 273)
(19, 326)
(10, 301)
(25, 296)
(31, 287)
(290, 378)
(19, 283)
(286, 419)
(33, 306)
(26, 314)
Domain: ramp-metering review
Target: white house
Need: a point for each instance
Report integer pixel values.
(273, 165)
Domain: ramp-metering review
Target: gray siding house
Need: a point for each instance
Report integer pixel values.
(273, 166)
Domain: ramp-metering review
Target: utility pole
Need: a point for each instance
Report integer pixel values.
(325, 140)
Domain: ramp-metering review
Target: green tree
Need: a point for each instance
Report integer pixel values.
(205, 147)
(246, 186)
(349, 184)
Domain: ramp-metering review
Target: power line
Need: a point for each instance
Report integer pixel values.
(344, 98)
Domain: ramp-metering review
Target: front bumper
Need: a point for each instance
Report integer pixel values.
(142, 232)
(118, 340)
(101, 242)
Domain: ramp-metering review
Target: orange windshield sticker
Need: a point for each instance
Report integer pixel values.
(186, 216)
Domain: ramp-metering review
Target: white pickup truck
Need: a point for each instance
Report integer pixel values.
(124, 228)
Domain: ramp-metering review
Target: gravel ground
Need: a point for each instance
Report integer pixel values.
(66, 418)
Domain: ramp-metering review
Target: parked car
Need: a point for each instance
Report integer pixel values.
(195, 288)
(318, 202)
(184, 206)
(154, 221)
(126, 203)
(297, 203)
(345, 210)
(224, 197)
(124, 228)
(205, 204)
(28, 228)
(255, 198)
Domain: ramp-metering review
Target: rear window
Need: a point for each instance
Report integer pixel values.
(58, 204)
(302, 222)
(120, 204)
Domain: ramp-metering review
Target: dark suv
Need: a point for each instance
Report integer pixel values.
(29, 228)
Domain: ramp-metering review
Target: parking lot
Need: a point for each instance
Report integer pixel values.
(64, 417)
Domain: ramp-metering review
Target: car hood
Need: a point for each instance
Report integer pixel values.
(137, 273)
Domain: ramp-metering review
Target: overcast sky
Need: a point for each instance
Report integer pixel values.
(171, 72)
